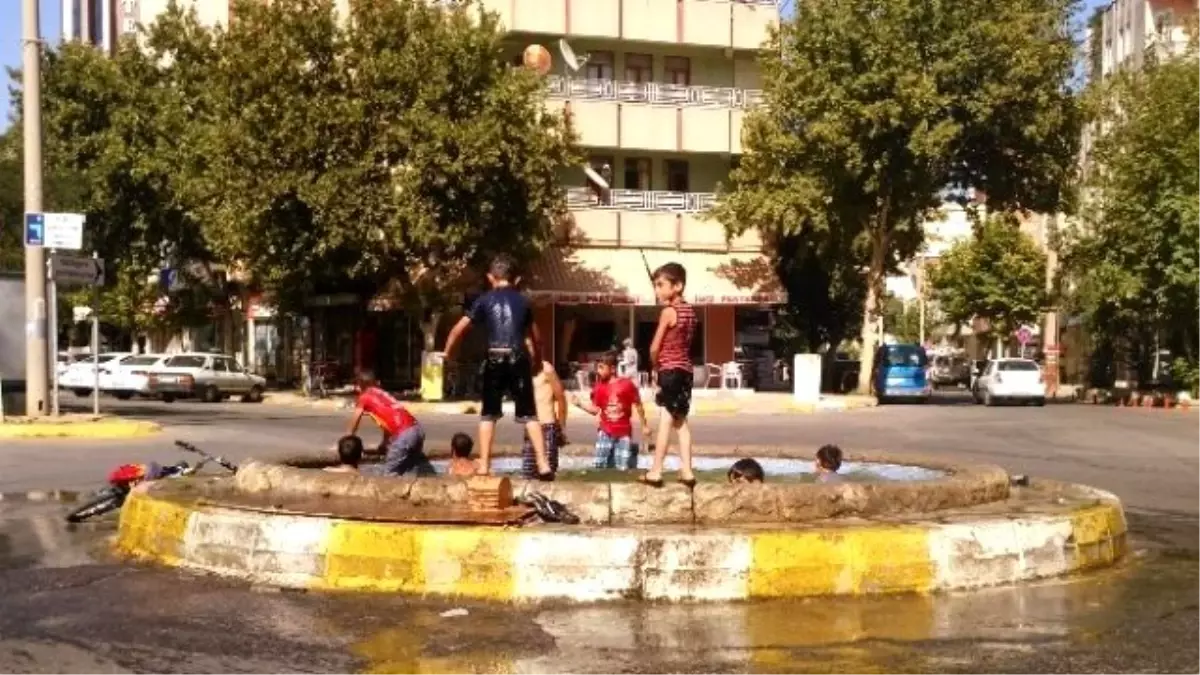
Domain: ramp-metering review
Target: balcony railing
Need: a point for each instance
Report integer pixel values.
(652, 92)
(641, 200)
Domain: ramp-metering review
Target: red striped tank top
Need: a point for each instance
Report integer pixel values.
(676, 353)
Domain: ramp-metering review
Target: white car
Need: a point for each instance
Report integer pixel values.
(80, 377)
(209, 377)
(131, 376)
(1010, 380)
(65, 360)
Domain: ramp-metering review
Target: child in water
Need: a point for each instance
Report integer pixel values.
(829, 460)
(461, 463)
(745, 470)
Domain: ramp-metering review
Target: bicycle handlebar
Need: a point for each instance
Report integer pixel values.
(229, 466)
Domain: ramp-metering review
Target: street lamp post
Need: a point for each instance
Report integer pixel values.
(36, 358)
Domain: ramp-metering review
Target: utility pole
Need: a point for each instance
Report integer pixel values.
(85, 21)
(36, 357)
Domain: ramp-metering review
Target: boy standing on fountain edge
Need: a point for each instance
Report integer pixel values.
(513, 349)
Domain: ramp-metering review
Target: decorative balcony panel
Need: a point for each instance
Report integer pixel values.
(650, 219)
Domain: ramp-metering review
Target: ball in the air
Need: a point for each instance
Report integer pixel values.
(536, 58)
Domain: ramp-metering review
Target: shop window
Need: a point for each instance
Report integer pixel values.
(677, 175)
(599, 66)
(637, 173)
(678, 70)
(639, 68)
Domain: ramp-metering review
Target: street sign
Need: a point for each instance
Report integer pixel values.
(1024, 335)
(64, 231)
(35, 229)
(70, 270)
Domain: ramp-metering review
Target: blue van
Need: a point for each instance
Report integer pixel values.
(901, 373)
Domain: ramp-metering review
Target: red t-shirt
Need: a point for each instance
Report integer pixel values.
(615, 399)
(388, 413)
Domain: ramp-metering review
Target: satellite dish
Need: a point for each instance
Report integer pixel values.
(570, 60)
(595, 177)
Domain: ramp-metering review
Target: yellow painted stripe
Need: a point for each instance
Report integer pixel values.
(1099, 535)
(153, 528)
(373, 556)
(845, 560)
(104, 429)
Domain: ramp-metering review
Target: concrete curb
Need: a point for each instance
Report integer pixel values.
(105, 429)
(611, 563)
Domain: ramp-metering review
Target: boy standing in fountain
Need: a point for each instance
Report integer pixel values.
(513, 349)
(614, 399)
(551, 402)
(671, 354)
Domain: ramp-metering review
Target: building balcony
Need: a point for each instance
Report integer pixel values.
(739, 25)
(650, 219)
(654, 116)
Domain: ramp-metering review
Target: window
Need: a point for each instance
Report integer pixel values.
(186, 362)
(678, 70)
(637, 173)
(639, 68)
(221, 365)
(1017, 366)
(599, 66)
(677, 175)
(141, 361)
(233, 366)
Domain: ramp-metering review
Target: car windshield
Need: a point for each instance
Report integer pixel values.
(905, 355)
(141, 361)
(1026, 366)
(185, 362)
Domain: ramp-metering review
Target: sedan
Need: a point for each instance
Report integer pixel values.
(1018, 380)
(130, 377)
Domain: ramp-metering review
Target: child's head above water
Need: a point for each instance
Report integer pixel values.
(829, 458)
(745, 470)
(461, 445)
(669, 282)
(350, 450)
(606, 367)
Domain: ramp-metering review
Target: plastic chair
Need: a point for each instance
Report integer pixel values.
(731, 372)
(713, 371)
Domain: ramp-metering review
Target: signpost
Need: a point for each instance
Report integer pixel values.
(63, 231)
(1024, 335)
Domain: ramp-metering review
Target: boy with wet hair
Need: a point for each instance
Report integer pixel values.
(402, 433)
(350, 452)
(513, 350)
(746, 470)
(461, 463)
(613, 401)
(829, 460)
(550, 399)
(670, 352)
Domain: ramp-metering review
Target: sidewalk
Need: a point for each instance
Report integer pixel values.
(704, 402)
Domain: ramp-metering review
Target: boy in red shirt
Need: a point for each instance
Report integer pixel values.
(614, 399)
(402, 434)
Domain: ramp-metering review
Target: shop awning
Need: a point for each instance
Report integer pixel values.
(615, 276)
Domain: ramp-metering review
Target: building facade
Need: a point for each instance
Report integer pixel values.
(1123, 33)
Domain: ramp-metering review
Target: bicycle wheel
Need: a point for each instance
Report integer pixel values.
(101, 505)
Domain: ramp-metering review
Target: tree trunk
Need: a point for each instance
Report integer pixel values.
(429, 331)
(871, 311)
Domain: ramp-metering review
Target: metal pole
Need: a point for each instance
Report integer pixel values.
(921, 295)
(96, 346)
(85, 21)
(35, 256)
(52, 311)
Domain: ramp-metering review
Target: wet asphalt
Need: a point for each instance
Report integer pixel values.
(67, 606)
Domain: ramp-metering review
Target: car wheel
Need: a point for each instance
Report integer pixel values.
(988, 400)
(210, 394)
(1039, 402)
(123, 395)
(254, 396)
(168, 398)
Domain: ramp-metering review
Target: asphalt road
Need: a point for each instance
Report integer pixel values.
(66, 607)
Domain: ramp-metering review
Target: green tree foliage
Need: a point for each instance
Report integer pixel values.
(61, 191)
(875, 107)
(902, 320)
(1131, 259)
(395, 146)
(999, 275)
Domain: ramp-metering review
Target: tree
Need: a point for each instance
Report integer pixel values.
(394, 148)
(902, 320)
(61, 191)
(999, 275)
(874, 108)
(1131, 259)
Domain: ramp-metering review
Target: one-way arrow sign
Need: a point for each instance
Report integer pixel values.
(70, 270)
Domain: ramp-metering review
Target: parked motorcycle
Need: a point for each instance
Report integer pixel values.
(124, 478)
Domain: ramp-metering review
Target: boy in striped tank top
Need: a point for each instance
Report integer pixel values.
(671, 354)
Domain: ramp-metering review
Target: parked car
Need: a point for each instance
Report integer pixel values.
(950, 371)
(131, 376)
(900, 372)
(65, 360)
(80, 377)
(1018, 380)
(209, 377)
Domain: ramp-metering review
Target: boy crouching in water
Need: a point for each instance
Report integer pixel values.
(613, 400)
(550, 399)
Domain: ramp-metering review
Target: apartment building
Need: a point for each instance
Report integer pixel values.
(1126, 30)
(657, 93)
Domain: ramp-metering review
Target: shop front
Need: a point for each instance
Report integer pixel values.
(591, 300)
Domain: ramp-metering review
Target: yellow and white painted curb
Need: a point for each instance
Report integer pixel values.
(102, 429)
(588, 564)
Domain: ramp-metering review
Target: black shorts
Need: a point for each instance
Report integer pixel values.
(675, 392)
(507, 373)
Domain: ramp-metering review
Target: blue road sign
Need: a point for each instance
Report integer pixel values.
(35, 229)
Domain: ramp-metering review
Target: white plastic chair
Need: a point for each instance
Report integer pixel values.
(731, 372)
